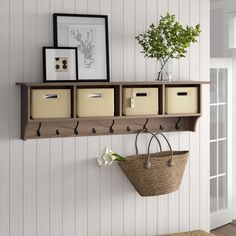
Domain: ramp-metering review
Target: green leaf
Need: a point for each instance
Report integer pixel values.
(118, 157)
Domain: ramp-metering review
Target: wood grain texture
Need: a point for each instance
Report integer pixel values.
(54, 186)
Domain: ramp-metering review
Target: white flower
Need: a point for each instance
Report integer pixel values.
(108, 156)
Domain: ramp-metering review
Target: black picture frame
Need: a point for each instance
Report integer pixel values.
(59, 40)
(71, 74)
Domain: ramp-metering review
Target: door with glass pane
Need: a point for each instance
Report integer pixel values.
(220, 142)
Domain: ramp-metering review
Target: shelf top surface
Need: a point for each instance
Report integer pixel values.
(111, 83)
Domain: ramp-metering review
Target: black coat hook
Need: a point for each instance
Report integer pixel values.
(94, 131)
(128, 129)
(76, 128)
(161, 127)
(111, 127)
(145, 125)
(177, 124)
(57, 132)
(38, 130)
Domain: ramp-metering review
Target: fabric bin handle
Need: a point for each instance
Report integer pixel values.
(51, 96)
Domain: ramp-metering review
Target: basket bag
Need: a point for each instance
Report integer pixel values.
(157, 173)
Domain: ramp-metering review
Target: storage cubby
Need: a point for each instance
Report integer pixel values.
(106, 125)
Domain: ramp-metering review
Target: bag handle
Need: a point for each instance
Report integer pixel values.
(147, 131)
(170, 162)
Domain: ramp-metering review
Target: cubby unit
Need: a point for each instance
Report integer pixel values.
(119, 123)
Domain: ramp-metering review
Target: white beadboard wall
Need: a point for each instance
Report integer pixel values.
(53, 187)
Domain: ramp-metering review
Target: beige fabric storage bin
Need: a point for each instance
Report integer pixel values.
(50, 103)
(181, 100)
(95, 102)
(140, 101)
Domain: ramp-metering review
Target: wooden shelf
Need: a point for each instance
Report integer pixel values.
(85, 126)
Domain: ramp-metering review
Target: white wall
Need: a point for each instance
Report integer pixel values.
(54, 186)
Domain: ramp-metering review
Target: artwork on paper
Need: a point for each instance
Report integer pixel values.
(84, 38)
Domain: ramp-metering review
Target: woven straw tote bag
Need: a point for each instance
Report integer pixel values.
(157, 173)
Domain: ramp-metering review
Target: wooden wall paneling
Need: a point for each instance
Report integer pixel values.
(174, 197)
(162, 218)
(194, 180)
(56, 187)
(151, 215)
(68, 191)
(106, 9)
(184, 189)
(129, 40)
(184, 192)
(141, 202)
(5, 126)
(69, 6)
(163, 202)
(30, 74)
(140, 27)
(194, 19)
(204, 121)
(43, 154)
(43, 187)
(117, 43)
(81, 186)
(117, 224)
(151, 14)
(174, 9)
(30, 188)
(194, 137)
(81, 6)
(93, 6)
(174, 137)
(16, 184)
(93, 186)
(184, 19)
(129, 191)
(105, 196)
(42, 34)
(55, 6)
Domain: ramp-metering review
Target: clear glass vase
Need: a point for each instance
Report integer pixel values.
(164, 72)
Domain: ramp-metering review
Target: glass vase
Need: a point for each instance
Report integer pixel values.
(164, 73)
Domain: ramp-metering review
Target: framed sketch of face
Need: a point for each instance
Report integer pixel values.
(89, 34)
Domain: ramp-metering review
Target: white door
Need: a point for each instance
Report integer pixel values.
(220, 141)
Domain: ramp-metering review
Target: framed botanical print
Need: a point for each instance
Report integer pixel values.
(89, 34)
(60, 64)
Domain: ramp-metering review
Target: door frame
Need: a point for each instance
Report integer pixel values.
(222, 217)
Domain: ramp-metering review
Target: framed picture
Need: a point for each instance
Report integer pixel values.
(89, 34)
(60, 64)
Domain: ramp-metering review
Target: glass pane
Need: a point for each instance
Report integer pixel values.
(222, 160)
(213, 121)
(222, 192)
(222, 85)
(213, 194)
(222, 125)
(213, 161)
(213, 87)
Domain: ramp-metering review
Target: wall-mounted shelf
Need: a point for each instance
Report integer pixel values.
(118, 124)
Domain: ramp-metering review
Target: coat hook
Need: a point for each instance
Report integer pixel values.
(94, 131)
(111, 127)
(161, 127)
(177, 124)
(128, 129)
(38, 130)
(57, 132)
(76, 128)
(145, 125)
